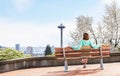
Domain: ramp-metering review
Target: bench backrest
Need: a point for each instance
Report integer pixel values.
(71, 54)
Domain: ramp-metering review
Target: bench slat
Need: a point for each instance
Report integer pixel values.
(79, 55)
(78, 58)
(87, 50)
(104, 48)
(83, 54)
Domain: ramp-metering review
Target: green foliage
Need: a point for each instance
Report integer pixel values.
(118, 48)
(8, 53)
(52, 55)
(48, 50)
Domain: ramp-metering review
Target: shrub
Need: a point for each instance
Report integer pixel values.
(118, 48)
(8, 53)
(51, 55)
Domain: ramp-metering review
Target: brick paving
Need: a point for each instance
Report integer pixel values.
(110, 69)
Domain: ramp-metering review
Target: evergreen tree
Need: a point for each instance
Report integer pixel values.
(48, 50)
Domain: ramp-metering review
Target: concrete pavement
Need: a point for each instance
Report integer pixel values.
(110, 69)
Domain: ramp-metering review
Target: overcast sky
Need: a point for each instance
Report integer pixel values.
(35, 22)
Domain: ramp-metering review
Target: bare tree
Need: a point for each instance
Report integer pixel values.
(112, 23)
(84, 24)
(102, 35)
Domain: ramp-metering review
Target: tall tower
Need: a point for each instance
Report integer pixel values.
(17, 47)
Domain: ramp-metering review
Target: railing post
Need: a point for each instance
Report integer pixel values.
(101, 58)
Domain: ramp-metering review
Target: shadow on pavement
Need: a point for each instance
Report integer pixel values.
(73, 72)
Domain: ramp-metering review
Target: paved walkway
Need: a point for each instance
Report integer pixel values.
(110, 69)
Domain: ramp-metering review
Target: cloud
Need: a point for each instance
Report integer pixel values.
(22, 5)
(32, 34)
(109, 1)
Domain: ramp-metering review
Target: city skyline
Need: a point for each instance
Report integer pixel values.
(35, 22)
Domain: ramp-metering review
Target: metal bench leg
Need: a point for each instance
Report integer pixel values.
(65, 61)
(101, 59)
(66, 65)
(101, 63)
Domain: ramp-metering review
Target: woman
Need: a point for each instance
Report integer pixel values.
(85, 42)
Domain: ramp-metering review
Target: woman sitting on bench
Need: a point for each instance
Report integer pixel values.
(85, 43)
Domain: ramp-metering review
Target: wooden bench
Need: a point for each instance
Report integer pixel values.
(70, 54)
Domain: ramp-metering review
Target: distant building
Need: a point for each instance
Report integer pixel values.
(29, 50)
(53, 49)
(36, 51)
(17, 47)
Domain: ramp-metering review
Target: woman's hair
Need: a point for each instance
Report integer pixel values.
(85, 36)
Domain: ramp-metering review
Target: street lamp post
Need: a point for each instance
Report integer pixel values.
(61, 27)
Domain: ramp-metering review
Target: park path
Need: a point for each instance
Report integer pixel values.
(110, 69)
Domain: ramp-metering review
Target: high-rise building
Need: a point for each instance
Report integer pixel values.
(29, 50)
(17, 47)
